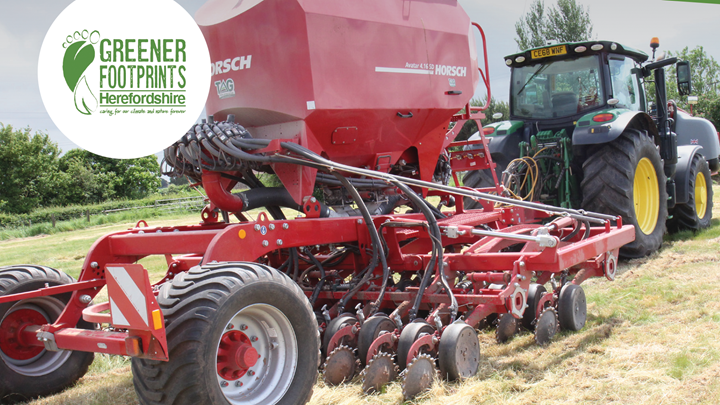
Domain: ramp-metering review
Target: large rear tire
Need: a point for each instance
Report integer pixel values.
(697, 213)
(218, 319)
(625, 177)
(476, 179)
(30, 371)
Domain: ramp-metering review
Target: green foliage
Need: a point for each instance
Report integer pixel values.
(269, 180)
(28, 164)
(121, 178)
(565, 22)
(179, 181)
(34, 175)
(708, 107)
(705, 79)
(71, 212)
(495, 106)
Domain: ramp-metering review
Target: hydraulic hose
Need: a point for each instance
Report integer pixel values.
(377, 248)
(436, 237)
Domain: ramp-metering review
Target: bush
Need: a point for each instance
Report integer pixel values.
(45, 215)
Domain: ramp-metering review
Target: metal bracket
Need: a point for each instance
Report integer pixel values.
(519, 293)
(48, 338)
(610, 267)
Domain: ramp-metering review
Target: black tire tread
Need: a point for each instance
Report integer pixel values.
(14, 279)
(188, 304)
(13, 275)
(607, 187)
(476, 179)
(684, 216)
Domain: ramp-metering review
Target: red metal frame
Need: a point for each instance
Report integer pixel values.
(482, 261)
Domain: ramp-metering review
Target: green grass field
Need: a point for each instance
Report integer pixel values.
(652, 336)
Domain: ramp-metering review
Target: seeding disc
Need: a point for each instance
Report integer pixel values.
(546, 326)
(418, 376)
(506, 327)
(339, 366)
(380, 370)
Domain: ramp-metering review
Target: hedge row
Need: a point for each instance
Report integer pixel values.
(74, 211)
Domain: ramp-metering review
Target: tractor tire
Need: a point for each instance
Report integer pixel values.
(29, 372)
(476, 179)
(697, 213)
(625, 177)
(217, 318)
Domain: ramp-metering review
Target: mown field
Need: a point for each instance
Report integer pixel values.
(652, 336)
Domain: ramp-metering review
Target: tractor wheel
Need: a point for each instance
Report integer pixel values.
(238, 333)
(476, 179)
(32, 371)
(697, 213)
(625, 177)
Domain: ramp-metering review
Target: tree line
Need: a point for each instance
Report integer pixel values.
(33, 174)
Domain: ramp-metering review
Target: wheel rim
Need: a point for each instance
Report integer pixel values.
(31, 361)
(256, 356)
(700, 195)
(646, 196)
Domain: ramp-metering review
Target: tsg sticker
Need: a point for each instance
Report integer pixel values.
(225, 88)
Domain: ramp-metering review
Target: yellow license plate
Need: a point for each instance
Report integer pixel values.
(550, 51)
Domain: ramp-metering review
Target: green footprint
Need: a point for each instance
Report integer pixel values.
(79, 55)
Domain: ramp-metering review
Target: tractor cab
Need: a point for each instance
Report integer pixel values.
(558, 84)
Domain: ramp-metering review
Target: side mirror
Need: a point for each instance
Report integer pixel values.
(683, 78)
(497, 115)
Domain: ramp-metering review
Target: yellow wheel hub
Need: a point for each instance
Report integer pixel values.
(700, 195)
(646, 196)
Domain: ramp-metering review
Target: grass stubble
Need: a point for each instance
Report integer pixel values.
(652, 336)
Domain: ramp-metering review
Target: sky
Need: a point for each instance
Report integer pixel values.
(23, 24)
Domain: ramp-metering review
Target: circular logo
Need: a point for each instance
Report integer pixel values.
(124, 79)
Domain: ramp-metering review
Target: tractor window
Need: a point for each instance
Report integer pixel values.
(556, 89)
(624, 83)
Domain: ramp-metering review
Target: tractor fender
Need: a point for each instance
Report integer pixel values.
(682, 171)
(589, 132)
(502, 143)
(698, 131)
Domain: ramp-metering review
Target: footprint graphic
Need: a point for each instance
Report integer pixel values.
(79, 54)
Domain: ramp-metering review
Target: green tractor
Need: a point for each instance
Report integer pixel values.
(581, 134)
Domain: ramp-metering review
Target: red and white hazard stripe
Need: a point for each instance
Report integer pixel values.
(127, 293)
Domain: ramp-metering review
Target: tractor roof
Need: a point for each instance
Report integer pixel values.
(570, 50)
